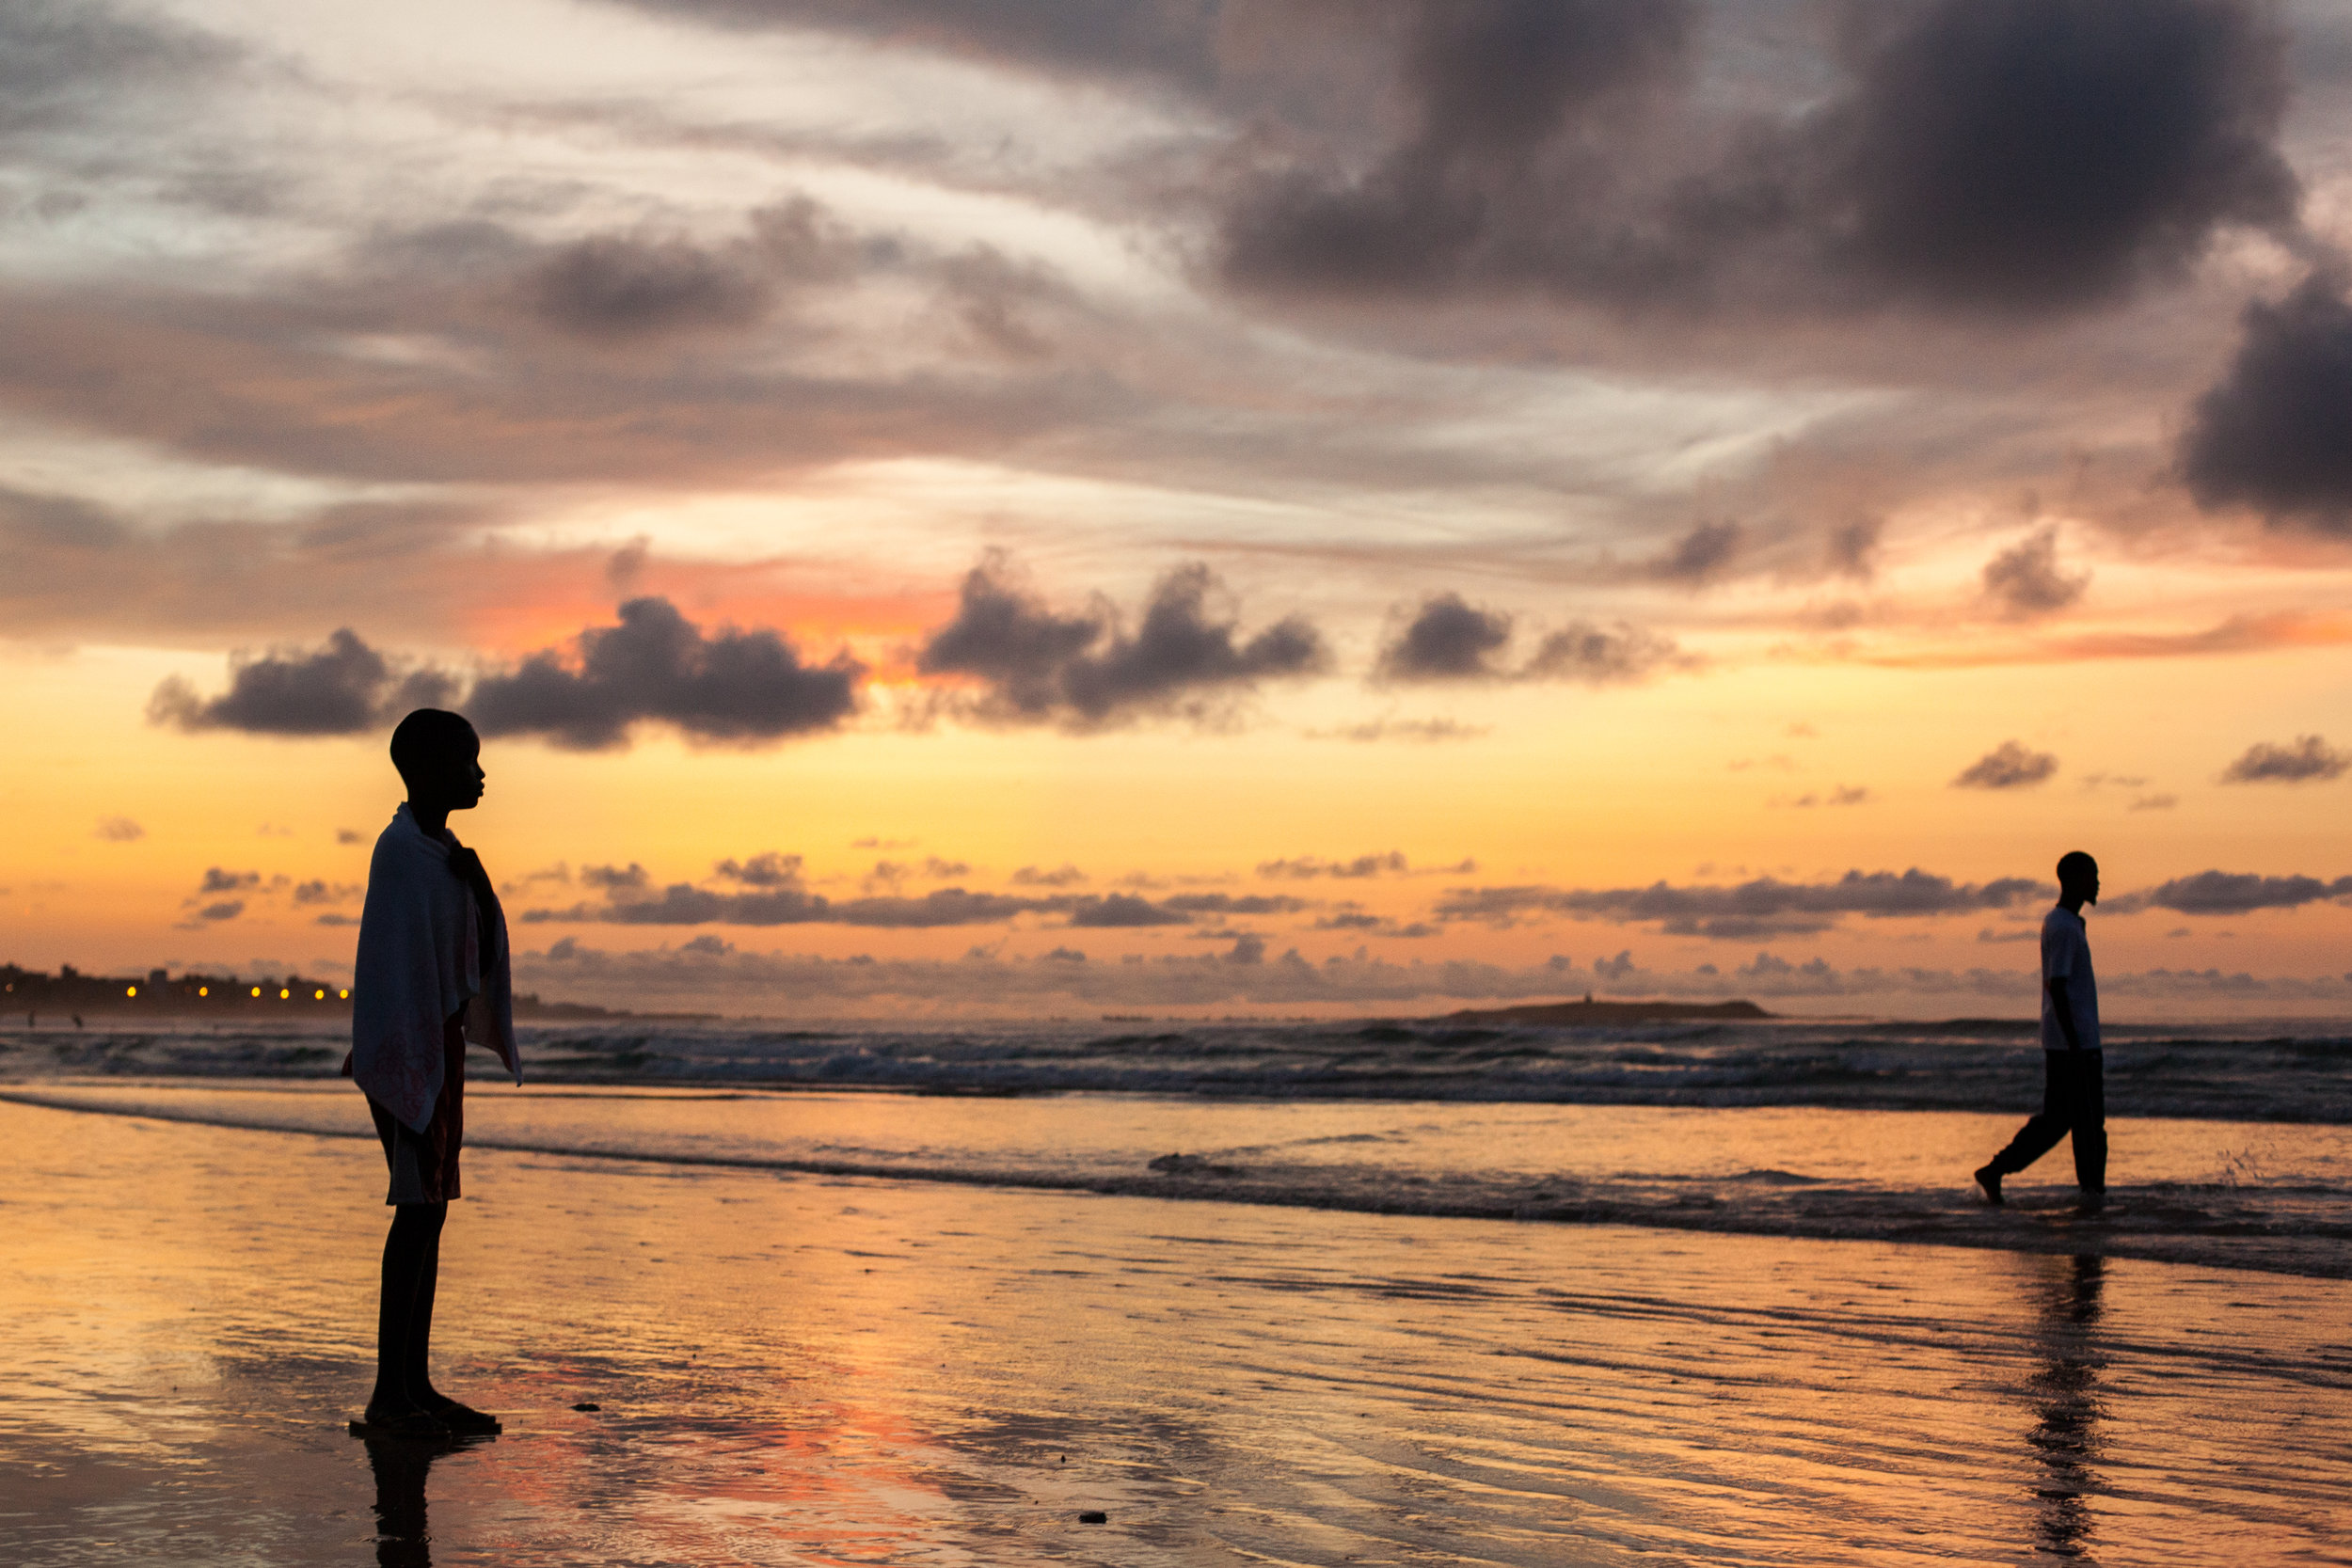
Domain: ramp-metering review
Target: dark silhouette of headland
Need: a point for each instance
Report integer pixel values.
(1588, 1011)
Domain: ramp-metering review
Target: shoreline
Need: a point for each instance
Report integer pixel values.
(1770, 1203)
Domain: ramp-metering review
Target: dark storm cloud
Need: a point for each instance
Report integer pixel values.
(2276, 433)
(738, 686)
(2050, 152)
(1447, 639)
(345, 687)
(1085, 671)
(1489, 82)
(2008, 765)
(2024, 581)
(2016, 155)
(1764, 907)
(2310, 757)
(2234, 892)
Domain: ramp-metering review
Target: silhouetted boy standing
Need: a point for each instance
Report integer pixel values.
(432, 974)
(2074, 1091)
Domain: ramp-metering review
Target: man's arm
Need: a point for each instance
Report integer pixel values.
(2065, 1006)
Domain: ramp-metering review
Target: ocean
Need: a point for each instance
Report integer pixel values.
(2232, 1145)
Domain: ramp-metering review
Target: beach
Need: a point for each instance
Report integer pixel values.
(800, 1367)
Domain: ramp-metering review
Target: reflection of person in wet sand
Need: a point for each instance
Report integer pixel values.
(404, 1537)
(2066, 1406)
(432, 974)
(2074, 1089)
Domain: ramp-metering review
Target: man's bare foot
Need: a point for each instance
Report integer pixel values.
(1990, 1179)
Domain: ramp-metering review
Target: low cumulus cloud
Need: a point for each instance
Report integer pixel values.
(2275, 433)
(343, 687)
(1085, 669)
(729, 686)
(2232, 892)
(986, 982)
(119, 830)
(1302, 867)
(771, 888)
(2308, 759)
(2024, 582)
(1448, 638)
(1764, 906)
(2008, 765)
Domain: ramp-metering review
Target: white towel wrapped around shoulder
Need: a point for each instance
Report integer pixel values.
(419, 963)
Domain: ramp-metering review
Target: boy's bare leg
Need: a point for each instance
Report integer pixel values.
(404, 1320)
(404, 1379)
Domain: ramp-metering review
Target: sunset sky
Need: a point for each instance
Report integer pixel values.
(1270, 506)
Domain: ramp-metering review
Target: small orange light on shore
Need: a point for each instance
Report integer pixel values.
(283, 993)
(257, 991)
(318, 996)
(129, 990)
(203, 990)
(344, 995)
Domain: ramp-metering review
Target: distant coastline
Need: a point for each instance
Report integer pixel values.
(69, 993)
(1590, 1011)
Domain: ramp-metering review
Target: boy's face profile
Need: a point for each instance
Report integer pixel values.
(449, 776)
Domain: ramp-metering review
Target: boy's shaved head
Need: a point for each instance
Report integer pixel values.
(2074, 865)
(428, 735)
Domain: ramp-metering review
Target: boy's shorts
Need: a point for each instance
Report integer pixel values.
(423, 1165)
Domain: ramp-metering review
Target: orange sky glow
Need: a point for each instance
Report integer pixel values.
(945, 521)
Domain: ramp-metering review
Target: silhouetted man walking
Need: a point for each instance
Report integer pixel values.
(2074, 1091)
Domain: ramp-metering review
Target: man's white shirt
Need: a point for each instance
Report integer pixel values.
(2066, 956)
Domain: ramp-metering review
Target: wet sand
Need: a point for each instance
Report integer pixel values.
(803, 1369)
